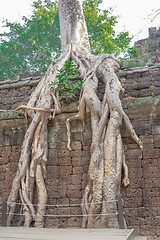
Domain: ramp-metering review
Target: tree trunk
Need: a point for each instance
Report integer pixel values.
(72, 24)
(107, 155)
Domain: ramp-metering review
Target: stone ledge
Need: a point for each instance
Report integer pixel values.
(130, 71)
(137, 108)
(34, 80)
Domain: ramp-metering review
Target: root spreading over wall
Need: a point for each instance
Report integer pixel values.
(107, 154)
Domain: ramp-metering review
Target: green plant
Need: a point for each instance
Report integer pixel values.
(131, 64)
(33, 43)
(68, 81)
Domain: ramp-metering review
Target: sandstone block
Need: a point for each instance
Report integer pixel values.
(65, 161)
(76, 145)
(63, 153)
(76, 161)
(65, 170)
(78, 170)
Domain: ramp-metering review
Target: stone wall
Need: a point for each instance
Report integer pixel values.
(149, 47)
(67, 171)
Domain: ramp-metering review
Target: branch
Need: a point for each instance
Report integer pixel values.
(44, 55)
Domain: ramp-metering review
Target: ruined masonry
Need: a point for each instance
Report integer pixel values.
(67, 170)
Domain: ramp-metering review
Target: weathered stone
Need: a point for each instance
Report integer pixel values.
(65, 170)
(76, 145)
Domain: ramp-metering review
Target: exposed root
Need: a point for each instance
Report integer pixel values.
(32, 163)
(107, 154)
(35, 109)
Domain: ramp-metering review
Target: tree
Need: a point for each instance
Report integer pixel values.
(107, 154)
(32, 46)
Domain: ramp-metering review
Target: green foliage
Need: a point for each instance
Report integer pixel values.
(100, 24)
(131, 64)
(32, 45)
(67, 81)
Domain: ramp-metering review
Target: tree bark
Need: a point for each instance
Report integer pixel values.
(72, 24)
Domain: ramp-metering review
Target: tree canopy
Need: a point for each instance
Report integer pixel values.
(33, 44)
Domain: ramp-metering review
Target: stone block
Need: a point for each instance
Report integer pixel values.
(74, 193)
(135, 173)
(76, 153)
(4, 160)
(65, 179)
(150, 172)
(134, 154)
(52, 153)
(62, 145)
(76, 161)
(62, 135)
(156, 129)
(76, 145)
(77, 210)
(51, 210)
(53, 170)
(135, 163)
(132, 202)
(62, 189)
(14, 156)
(150, 152)
(5, 151)
(63, 222)
(63, 201)
(2, 176)
(65, 161)
(76, 179)
(146, 212)
(65, 170)
(52, 135)
(78, 170)
(74, 187)
(85, 161)
(156, 141)
(52, 181)
(87, 143)
(87, 154)
(77, 136)
(152, 192)
(147, 163)
(63, 153)
(52, 145)
(63, 211)
(51, 222)
(150, 182)
(147, 139)
(74, 222)
(131, 192)
(137, 183)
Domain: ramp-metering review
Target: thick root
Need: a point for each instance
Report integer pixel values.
(32, 163)
(107, 154)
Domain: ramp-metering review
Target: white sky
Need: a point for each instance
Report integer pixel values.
(133, 15)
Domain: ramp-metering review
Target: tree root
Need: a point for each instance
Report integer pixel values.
(107, 154)
(32, 163)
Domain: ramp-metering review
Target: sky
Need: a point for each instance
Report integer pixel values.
(134, 15)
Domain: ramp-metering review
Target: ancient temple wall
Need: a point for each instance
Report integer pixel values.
(67, 170)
